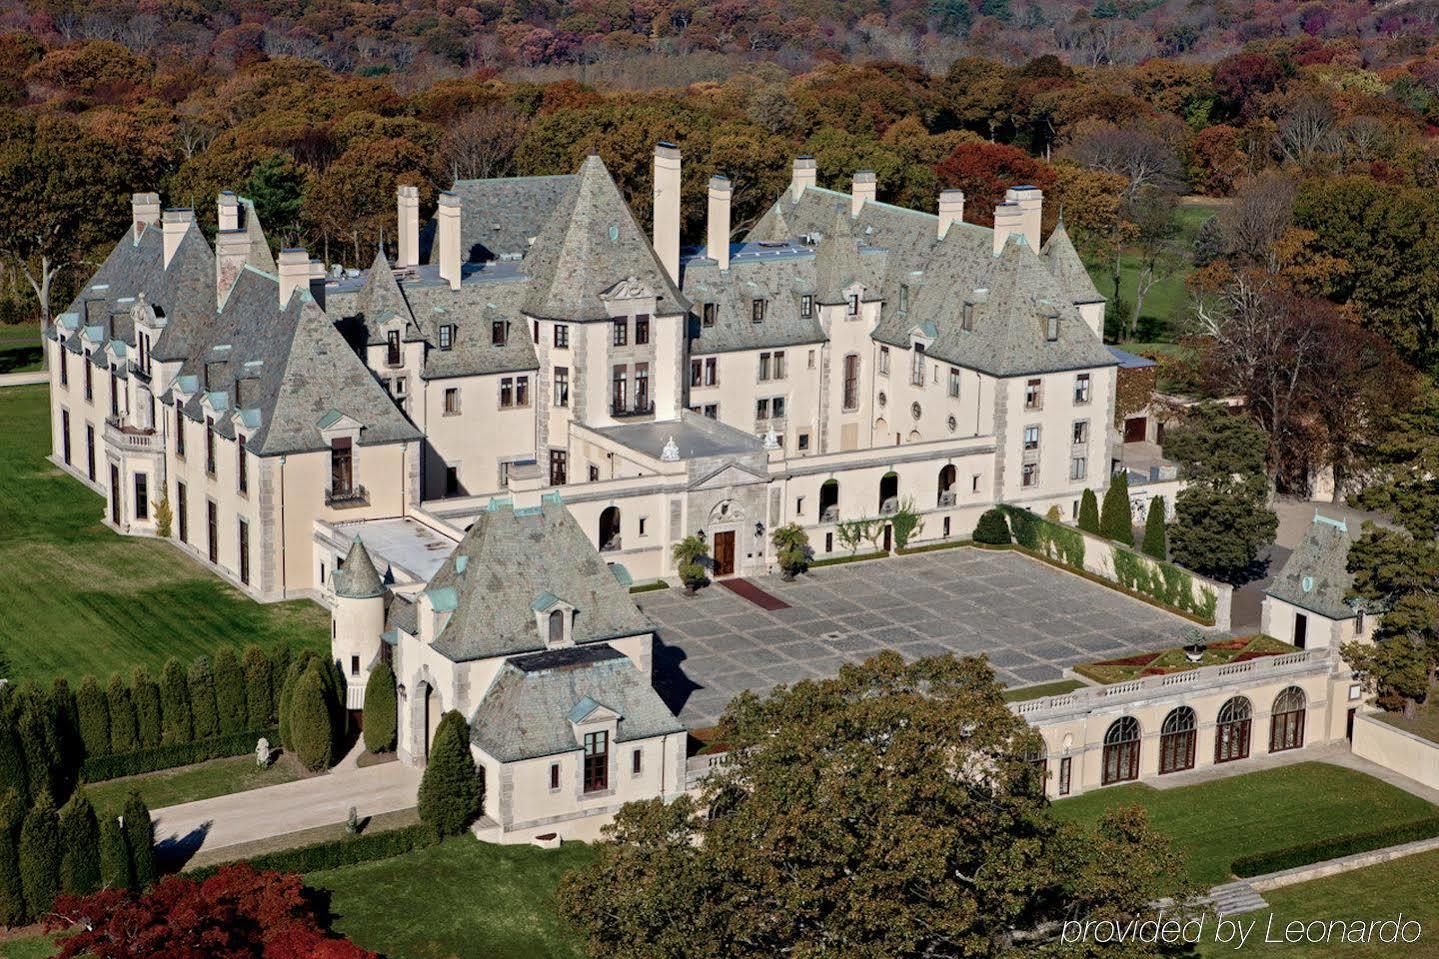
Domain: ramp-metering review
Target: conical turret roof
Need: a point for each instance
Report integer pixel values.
(356, 577)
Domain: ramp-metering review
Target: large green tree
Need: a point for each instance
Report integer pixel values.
(230, 692)
(1116, 518)
(200, 682)
(146, 694)
(94, 717)
(450, 796)
(120, 706)
(891, 811)
(79, 846)
(40, 856)
(381, 709)
(311, 721)
(177, 718)
(1397, 574)
(139, 832)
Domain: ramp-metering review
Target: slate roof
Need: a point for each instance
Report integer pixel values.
(780, 282)
(499, 217)
(356, 576)
(526, 713)
(1064, 262)
(509, 558)
(591, 243)
(1320, 563)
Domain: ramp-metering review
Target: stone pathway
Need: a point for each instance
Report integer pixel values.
(1336, 754)
(24, 379)
(1236, 898)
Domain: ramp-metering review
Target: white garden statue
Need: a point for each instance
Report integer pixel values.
(263, 754)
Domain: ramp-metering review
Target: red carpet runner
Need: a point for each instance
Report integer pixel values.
(751, 592)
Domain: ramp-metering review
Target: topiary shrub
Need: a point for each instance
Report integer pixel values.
(114, 856)
(450, 791)
(40, 856)
(12, 892)
(1116, 519)
(80, 846)
(147, 708)
(259, 699)
(1089, 512)
(139, 833)
(1155, 540)
(231, 713)
(792, 552)
(992, 529)
(65, 716)
(176, 722)
(311, 722)
(381, 709)
(201, 682)
(120, 706)
(689, 555)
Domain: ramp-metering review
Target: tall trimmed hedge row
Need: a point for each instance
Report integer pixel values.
(333, 853)
(1321, 850)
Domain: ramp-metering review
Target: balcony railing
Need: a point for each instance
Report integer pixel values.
(620, 412)
(130, 437)
(347, 498)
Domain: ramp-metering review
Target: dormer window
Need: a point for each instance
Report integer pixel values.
(966, 322)
(916, 373)
(708, 314)
(447, 336)
(557, 627)
(1051, 328)
(392, 348)
(806, 306)
(757, 308)
(853, 304)
(499, 332)
(903, 298)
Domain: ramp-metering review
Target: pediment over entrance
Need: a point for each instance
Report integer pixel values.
(728, 475)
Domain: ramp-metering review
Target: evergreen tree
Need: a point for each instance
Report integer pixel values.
(40, 856)
(65, 713)
(1155, 543)
(381, 709)
(201, 682)
(12, 892)
(287, 695)
(13, 771)
(259, 698)
(114, 856)
(1116, 521)
(992, 528)
(1089, 512)
(177, 724)
(35, 730)
(80, 846)
(139, 834)
(450, 790)
(124, 738)
(147, 708)
(230, 692)
(311, 722)
(280, 658)
(94, 718)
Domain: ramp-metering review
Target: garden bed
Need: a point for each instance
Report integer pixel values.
(1175, 660)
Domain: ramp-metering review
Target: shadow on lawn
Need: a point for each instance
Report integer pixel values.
(19, 358)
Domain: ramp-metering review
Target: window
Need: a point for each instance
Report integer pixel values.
(1176, 741)
(1078, 467)
(209, 446)
(64, 355)
(708, 314)
(779, 364)
(811, 359)
(557, 627)
(883, 361)
(903, 297)
(852, 304)
(1081, 388)
(764, 361)
(562, 386)
(619, 388)
(954, 382)
(966, 322)
(499, 332)
(621, 332)
(1231, 730)
(243, 466)
(851, 381)
(392, 348)
(244, 552)
(504, 474)
(644, 522)
(642, 387)
(637, 762)
(711, 410)
(554, 775)
(916, 370)
(642, 329)
(1081, 433)
(89, 379)
(594, 473)
(114, 393)
(597, 761)
(1031, 437)
(1051, 328)
(806, 306)
(354, 665)
(802, 441)
(507, 392)
(711, 371)
(1033, 394)
(1121, 751)
(65, 435)
(452, 481)
(179, 428)
(696, 372)
(447, 336)
(1064, 776)
(452, 401)
(1029, 475)
(182, 512)
(522, 391)
(212, 531)
(1286, 720)
(562, 336)
(757, 308)
(142, 496)
(342, 466)
(974, 483)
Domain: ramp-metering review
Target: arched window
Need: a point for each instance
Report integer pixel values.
(1232, 730)
(557, 627)
(946, 485)
(610, 529)
(1176, 740)
(829, 501)
(888, 493)
(1286, 720)
(1121, 751)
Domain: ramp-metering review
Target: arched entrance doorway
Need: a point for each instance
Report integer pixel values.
(609, 538)
(946, 485)
(888, 493)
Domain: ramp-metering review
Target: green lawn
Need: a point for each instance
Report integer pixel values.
(35, 947)
(461, 898)
(1167, 301)
(170, 787)
(20, 348)
(77, 599)
(1022, 694)
(1409, 886)
(1213, 823)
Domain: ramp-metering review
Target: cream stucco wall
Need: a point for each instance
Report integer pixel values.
(1279, 619)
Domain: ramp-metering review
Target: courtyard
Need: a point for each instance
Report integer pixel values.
(1030, 619)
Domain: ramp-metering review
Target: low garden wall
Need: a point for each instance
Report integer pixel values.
(1202, 599)
(1396, 749)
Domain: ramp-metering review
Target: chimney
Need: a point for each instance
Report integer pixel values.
(804, 174)
(865, 188)
(232, 250)
(228, 205)
(448, 238)
(174, 225)
(717, 242)
(144, 211)
(1031, 207)
(667, 208)
(951, 209)
(294, 273)
(407, 199)
(1008, 219)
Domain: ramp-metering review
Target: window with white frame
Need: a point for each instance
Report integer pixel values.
(884, 361)
(1033, 394)
(916, 372)
(1031, 437)
(853, 304)
(1081, 388)
(1078, 467)
(1029, 475)
(954, 382)
(1081, 432)
(806, 306)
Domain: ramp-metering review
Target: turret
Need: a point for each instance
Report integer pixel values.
(357, 620)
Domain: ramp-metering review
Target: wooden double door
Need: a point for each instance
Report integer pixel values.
(724, 553)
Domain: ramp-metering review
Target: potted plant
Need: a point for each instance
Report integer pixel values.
(791, 545)
(1195, 648)
(690, 554)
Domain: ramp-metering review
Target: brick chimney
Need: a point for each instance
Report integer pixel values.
(174, 224)
(294, 273)
(951, 209)
(1031, 209)
(144, 211)
(407, 199)
(804, 173)
(448, 238)
(667, 208)
(717, 240)
(866, 187)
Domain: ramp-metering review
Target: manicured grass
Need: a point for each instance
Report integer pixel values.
(1425, 723)
(20, 348)
(1213, 822)
(1409, 886)
(1022, 694)
(460, 898)
(1176, 661)
(1167, 301)
(35, 947)
(170, 787)
(78, 599)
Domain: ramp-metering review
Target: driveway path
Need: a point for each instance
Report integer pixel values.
(24, 379)
(212, 824)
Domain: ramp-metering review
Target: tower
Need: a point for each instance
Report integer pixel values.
(357, 620)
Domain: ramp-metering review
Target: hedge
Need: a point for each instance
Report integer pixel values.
(650, 587)
(100, 768)
(841, 560)
(332, 853)
(932, 547)
(1057, 542)
(1321, 850)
